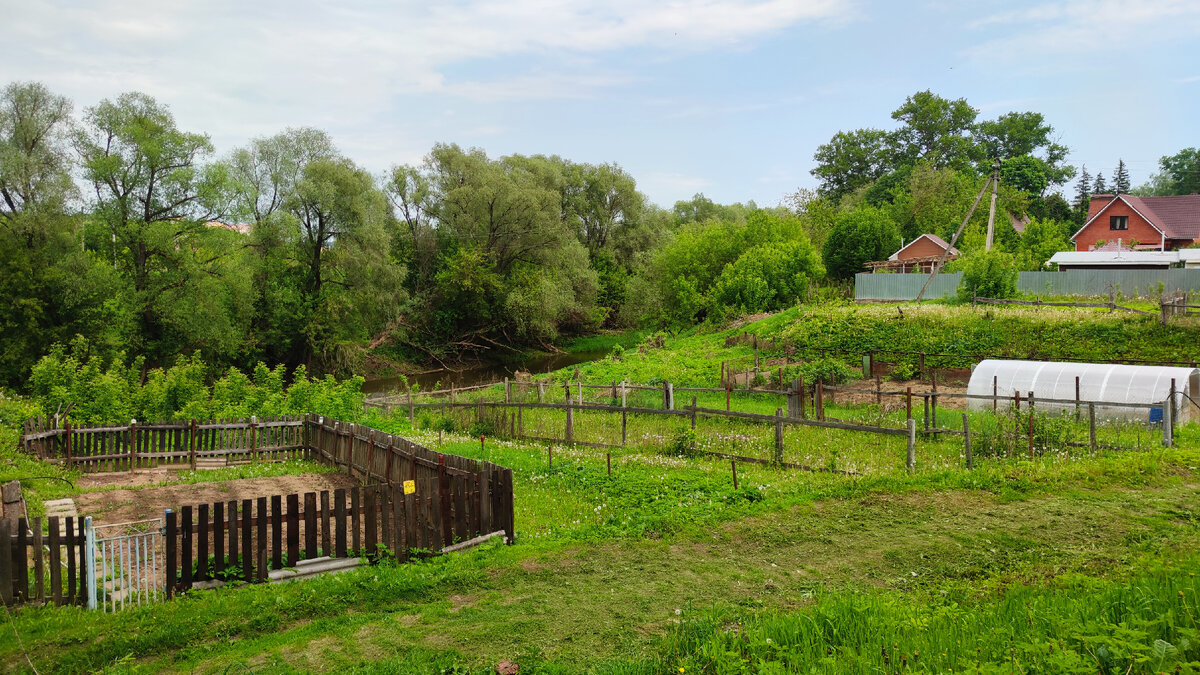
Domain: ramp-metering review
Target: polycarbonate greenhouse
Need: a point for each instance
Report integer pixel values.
(1098, 382)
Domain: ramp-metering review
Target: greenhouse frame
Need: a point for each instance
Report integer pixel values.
(1124, 392)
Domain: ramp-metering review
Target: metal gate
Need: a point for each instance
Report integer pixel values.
(124, 562)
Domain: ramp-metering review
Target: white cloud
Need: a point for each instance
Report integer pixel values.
(240, 69)
(1085, 27)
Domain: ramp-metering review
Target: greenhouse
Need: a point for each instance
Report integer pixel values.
(1113, 387)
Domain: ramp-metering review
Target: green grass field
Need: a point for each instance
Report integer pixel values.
(1072, 562)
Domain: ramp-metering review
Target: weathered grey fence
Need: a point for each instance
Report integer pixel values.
(1129, 283)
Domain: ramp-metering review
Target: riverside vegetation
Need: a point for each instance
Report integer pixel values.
(1068, 564)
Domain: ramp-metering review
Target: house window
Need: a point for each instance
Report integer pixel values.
(1118, 222)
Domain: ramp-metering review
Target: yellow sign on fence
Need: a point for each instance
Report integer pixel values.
(410, 486)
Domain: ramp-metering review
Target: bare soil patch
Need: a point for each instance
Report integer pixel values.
(117, 506)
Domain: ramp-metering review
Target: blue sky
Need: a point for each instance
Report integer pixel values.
(725, 97)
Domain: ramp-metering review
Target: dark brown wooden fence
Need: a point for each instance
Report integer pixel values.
(248, 540)
(39, 565)
(413, 502)
(125, 448)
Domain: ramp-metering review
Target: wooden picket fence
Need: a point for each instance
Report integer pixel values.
(52, 559)
(412, 502)
(136, 446)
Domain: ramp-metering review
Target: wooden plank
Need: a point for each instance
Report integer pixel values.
(397, 542)
(232, 514)
(385, 515)
(355, 522)
(462, 522)
(185, 557)
(310, 525)
(261, 545)
(326, 543)
(69, 591)
(202, 543)
(409, 524)
(247, 550)
(339, 513)
(293, 529)
(276, 532)
(370, 522)
(7, 582)
(21, 562)
(55, 561)
(218, 537)
(39, 567)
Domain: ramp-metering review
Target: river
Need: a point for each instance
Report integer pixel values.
(483, 373)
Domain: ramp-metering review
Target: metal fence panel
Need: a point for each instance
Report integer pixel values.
(869, 286)
(1128, 283)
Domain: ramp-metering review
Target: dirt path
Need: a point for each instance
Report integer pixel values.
(123, 505)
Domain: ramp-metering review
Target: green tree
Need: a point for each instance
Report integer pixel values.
(859, 236)
(349, 287)
(1121, 178)
(55, 290)
(1041, 240)
(1083, 193)
(1026, 173)
(1020, 134)
(768, 277)
(936, 129)
(852, 160)
(154, 196)
(1100, 187)
(1178, 174)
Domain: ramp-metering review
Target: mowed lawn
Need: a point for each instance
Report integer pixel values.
(606, 573)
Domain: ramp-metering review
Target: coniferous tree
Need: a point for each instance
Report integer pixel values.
(1121, 180)
(1083, 194)
(1100, 187)
(1083, 188)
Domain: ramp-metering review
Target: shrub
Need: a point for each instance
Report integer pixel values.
(826, 371)
(987, 274)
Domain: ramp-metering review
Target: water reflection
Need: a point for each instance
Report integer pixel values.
(489, 372)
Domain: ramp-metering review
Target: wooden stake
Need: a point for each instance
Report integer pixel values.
(733, 467)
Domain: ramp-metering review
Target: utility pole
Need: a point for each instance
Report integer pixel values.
(992, 211)
(937, 267)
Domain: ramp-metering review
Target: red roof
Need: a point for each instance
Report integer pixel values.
(1177, 217)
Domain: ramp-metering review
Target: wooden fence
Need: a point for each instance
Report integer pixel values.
(412, 501)
(39, 565)
(134, 446)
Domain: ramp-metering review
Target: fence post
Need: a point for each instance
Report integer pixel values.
(820, 403)
(623, 390)
(800, 387)
(570, 422)
(520, 421)
(693, 413)
(995, 392)
(967, 441)
(254, 440)
(911, 461)
(1031, 425)
(670, 396)
(925, 403)
(507, 397)
(922, 367)
(624, 423)
(733, 465)
(933, 400)
(89, 542)
(169, 541)
(1174, 408)
(70, 458)
(1168, 423)
(908, 403)
(579, 389)
(192, 444)
(778, 436)
(132, 444)
(1092, 425)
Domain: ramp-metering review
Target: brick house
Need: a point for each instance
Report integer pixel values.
(919, 255)
(1144, 223)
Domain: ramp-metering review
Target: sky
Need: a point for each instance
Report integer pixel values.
(725, 97)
